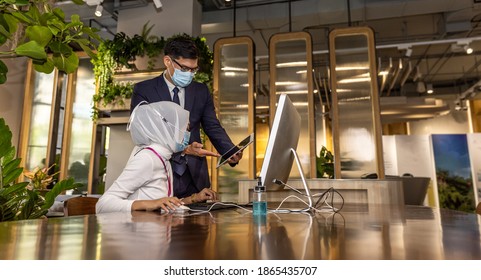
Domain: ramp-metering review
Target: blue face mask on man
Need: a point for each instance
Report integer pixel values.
(182, 79)
(184, 76)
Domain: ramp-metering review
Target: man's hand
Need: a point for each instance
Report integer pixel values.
(206, 194)
(195, 149)
(235, 158)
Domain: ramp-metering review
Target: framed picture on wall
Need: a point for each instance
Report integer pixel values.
(453, 172)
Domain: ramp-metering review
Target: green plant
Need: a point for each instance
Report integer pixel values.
(36, 30)
(40, 178)
(17, 201)
(325, 164)
(122, 50)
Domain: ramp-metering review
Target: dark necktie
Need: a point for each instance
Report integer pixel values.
(176, 96)
(179, 164)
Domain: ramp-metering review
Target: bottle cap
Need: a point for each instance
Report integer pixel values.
(259, 187)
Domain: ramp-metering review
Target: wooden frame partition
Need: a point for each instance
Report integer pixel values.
(356, 118)
(229, 97)
(297, 45)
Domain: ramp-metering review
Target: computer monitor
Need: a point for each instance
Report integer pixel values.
(281, 147)
(283, 136)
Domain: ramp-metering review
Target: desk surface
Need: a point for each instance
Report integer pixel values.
(358, 232)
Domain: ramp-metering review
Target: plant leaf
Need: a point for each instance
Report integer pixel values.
(12, 176)
(41, 34)
(83, 44)
(15, 188)
(5, 138)
(4, 32)
(31, 49)
(21, 2)
(47, 67)
(11, 165)
(28, 205)
(64, 185)
(22, 17)
(68, 64)
(59, 13)
(12, 23)
(3, 72)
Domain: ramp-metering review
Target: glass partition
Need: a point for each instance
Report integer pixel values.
(290, 69)
(36, 123)
(79, 126)
(57, 123)
(355, 103)
(234, 101)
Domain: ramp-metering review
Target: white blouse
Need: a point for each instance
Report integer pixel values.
(143, 178)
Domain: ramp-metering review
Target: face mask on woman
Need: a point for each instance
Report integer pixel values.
(179, 147)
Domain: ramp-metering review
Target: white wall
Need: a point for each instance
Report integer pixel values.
(456, 122)
(175, 17)
(11, 96)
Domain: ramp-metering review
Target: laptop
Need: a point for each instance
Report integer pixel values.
(231, 152)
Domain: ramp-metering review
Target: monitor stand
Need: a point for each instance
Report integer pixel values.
(303, 178)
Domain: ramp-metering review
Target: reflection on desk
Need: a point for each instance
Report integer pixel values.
(375, 232)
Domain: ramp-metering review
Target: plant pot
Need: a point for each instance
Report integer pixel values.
(120, 104)
(142, 63)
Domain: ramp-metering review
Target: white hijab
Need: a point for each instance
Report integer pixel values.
(162, 123)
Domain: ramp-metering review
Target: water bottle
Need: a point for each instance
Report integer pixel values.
(259, 199)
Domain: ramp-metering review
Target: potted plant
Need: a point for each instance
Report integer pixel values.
(325, 164)
(19, 201)
(40, 179)
(36, 30)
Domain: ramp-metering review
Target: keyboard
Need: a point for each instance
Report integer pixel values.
(205, 206)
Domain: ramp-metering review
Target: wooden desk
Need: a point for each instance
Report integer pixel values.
(359, 232)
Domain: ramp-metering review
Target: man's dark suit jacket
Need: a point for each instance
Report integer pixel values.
(198, 102)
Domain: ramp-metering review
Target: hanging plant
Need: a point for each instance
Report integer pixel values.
(121, 52)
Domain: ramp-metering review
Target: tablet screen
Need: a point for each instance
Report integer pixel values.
(241, 146)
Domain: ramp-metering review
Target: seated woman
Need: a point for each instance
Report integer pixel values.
(158, 130)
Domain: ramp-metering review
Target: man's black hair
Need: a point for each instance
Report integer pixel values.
(181, 46)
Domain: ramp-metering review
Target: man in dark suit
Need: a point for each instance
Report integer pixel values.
(176, 85)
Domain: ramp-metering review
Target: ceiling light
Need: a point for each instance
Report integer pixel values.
(291, 64)
(99, 10)
(157, 4)
(409, 52)
(420, 87)
(354, 80)
(468, 49)
(406, 48)
(429, 89)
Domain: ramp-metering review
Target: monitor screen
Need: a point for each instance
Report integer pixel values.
(283, 137)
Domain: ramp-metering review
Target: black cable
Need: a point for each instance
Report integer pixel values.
(331, 189)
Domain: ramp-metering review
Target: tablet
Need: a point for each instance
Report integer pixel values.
(241, 146)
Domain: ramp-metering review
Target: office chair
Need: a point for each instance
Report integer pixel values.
(80, 205)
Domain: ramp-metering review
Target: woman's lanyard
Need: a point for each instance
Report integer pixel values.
(165, 167)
